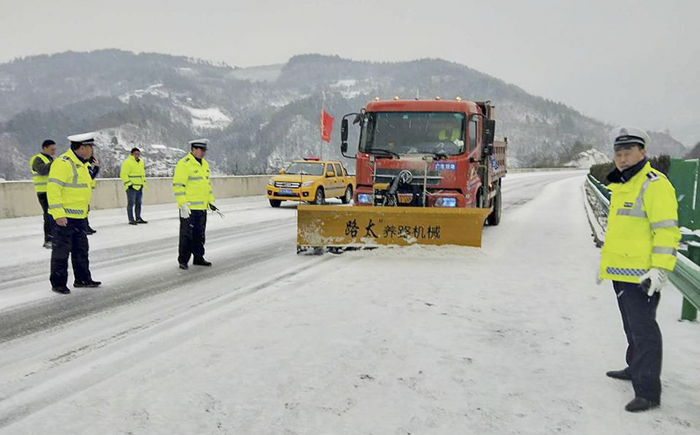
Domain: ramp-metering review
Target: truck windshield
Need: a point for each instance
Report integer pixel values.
(305, 168)
(413, 133)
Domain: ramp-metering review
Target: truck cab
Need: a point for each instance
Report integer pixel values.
(428, 153)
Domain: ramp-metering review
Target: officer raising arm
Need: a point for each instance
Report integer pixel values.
(69, 191)
(640, 249)
(193, 192)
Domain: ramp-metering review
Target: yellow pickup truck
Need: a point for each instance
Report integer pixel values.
(311, 180)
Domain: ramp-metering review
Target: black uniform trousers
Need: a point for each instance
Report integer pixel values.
(70, 240)
(48, 219)
(192, 236)
(644, 344)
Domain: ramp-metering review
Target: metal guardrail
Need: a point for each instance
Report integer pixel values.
(685, 277)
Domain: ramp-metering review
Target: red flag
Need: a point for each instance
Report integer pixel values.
(326, 122)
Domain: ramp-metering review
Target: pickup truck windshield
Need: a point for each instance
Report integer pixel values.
(305, 169)
(403, 133)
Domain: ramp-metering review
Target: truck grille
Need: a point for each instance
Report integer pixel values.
(385, 175)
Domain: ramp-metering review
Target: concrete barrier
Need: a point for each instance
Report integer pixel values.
(17, 198)
(523, 170)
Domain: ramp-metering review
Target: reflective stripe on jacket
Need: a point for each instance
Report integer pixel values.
(191, 184)
(39, 180)
(642, 228)
(133, 173)
(69, 187)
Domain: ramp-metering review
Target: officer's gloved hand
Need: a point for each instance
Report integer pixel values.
(212, 207)
(184, 211)
(598, 279)
(653, 280)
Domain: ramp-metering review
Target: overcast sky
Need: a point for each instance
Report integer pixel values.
(621, 61)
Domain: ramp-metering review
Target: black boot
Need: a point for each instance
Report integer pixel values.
(201, 262)
(141, 221)
(62, 290)
(619, 374)
(90, 231)
(133, 223)
(639, 404)
(184, 266)
(90, 284)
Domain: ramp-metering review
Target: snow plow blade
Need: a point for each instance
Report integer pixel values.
(327, 226)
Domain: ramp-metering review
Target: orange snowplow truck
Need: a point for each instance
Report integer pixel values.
(427, 172)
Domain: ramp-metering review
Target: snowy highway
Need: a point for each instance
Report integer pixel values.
(513, 338)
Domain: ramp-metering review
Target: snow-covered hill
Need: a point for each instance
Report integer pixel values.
(259, 118)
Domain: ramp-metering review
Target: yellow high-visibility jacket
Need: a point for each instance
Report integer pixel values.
(452, 135)
(642, 229)
(191, 184)
(69, 190)
(133, 173)
(39, 180)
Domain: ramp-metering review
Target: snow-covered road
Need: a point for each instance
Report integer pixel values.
(513, 338)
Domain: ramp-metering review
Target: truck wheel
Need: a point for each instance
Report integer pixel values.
(348, 195)
(495, 216)
(275, 202)
(320, 197)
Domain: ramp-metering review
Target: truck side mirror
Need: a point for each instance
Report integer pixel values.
(489, 131)
(344, 131)
(344, 125)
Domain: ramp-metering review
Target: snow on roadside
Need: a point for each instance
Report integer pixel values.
(512, 339)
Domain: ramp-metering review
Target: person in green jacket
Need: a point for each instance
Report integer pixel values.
(194, 195)
(641, 244)
(133, 175)
(69, 192)
(40, 164)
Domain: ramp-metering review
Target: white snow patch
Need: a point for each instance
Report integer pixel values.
(344, 83)
(155, 90)
(208, 119)
(588, 158)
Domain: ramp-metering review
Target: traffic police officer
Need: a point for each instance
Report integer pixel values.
(69, 191)
(640, 249)
(193, 192)
(40, 164)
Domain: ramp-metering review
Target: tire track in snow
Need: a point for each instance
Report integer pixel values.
(44, 314)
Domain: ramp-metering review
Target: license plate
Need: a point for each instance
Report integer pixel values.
(405, 199)
(286, 191)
